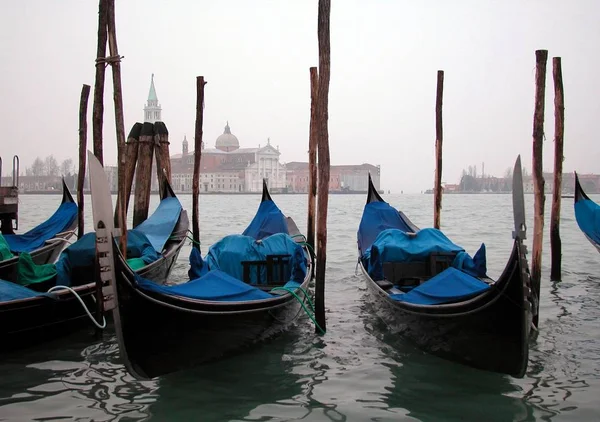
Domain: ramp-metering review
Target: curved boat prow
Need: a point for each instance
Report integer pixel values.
(580, 195)
(266, 196)
(373, 195)
(167, 190)
(66, 196)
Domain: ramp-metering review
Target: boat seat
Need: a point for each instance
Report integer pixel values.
(276, 266)
(384, 284)
(411, 274)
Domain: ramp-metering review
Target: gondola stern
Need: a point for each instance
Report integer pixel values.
(167, 190)
(266, 196)
(372, 194)
(66, 195)
(580, 194)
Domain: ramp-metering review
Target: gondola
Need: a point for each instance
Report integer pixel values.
(44, 242)
(428, 290)
(248, 288)
(30, 315)
(587, 214)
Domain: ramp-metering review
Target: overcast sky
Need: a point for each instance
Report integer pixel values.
(256, 56)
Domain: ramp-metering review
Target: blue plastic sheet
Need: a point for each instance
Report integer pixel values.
(268, 220)
(587, 214)
(213, 286)
(82, 253)
(159, 226)
(228, 253)
(451, 285)
(393, 245)
(377, 217)
(11, 291)
(35, 238)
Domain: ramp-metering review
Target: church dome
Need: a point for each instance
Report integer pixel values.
(227, 141)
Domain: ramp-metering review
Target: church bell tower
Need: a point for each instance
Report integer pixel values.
(152, 110)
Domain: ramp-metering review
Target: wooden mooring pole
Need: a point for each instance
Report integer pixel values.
(83, 106)
(143, 174)
(131, 152)
(439, 137)
(197, 156)
(115, 61)
(312, 159)
(322, 112)
(161, 151)
(559, 130)
(541, 57)
(98, 106)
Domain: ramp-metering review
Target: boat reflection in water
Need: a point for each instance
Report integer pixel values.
(74, 383)
(231, 388)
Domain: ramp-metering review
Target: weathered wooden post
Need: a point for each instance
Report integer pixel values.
(143, 174)
(115, 62)
(98, 106)
(161, 151)
(131, 152)
(541, 57)
(439, 137)
(559, 130)
(312, 159)
(197, 156)
(323, 153)
(83, 106)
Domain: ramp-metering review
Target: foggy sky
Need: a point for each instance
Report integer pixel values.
(256, 56)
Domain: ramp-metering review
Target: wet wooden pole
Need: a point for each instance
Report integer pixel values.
(161, 151)
(115, 62)
(131, 152)
(83, 106)
(323, 153)
(541, 57)
(98, 105)
(312, 159)
(559, 130)
(197, 156)
(439, 137)
(143, 174)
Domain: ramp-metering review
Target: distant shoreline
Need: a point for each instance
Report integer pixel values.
(87, 192)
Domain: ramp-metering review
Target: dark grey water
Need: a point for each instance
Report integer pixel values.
(357, 371)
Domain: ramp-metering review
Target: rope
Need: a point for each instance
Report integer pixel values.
(309, 247)
(301, 302)
(109, 60)
(82, 304)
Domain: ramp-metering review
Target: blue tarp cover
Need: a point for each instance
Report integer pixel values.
(82, 254)
(228, 253)
(451, 285)
(159, 226)
(393, 245)
(377, 217)
(214, 286)
(36, 237)
(268, 220)
(197, 265)
(11, 291)
(587, 214)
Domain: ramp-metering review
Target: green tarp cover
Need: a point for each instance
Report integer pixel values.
(5, 252)
(31, 273)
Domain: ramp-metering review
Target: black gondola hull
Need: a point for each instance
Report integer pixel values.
(159, 334)
(49, 252)
(31, 321)
(160, 339)
(489, 332)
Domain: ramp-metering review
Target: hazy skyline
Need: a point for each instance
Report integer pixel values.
(255, 56)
